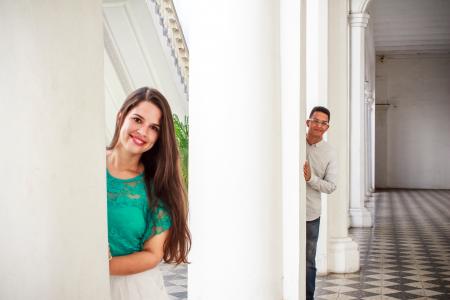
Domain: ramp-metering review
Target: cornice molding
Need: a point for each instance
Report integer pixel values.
(171, 29)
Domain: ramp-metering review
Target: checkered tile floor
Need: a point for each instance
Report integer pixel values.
(406, 255)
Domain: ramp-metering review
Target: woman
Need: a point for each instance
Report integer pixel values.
(147, 207)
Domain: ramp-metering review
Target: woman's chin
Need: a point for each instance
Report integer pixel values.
(136, 150)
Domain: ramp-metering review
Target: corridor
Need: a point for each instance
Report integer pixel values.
(406, 255)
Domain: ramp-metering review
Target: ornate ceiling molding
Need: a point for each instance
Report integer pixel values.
(171, 27)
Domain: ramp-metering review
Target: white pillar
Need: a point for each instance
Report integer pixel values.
(235, 152)
(317, 94)
(359, 215)
(369, 96)
(368, 109)
(343, 253)
(372, 142)
(293, 90)
(53, 189)
(366, 143)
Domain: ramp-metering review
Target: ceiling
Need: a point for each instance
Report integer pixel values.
(411, 26)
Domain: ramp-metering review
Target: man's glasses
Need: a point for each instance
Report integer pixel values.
(319, 122)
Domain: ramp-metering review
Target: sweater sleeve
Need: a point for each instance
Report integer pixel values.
(327, 184)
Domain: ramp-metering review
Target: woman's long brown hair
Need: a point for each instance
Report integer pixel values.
(162, 168)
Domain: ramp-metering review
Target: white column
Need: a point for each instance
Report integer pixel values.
(359, 215)
(293, 90)
(369, 95)
(368, 122)
(343, 253)
(366, 143)
(317, 94)
(369, 109)
(372, 143)
(53, 189)
(235, 151)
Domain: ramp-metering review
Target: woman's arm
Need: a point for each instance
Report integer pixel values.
(144, 260)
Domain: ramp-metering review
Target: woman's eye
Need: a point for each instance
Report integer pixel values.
(137, 120)
(155, 128)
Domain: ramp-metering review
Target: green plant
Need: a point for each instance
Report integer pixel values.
(182, 135)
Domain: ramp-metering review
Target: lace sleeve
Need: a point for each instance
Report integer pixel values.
(158, 220)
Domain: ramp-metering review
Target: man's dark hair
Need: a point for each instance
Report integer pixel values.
(320, 109)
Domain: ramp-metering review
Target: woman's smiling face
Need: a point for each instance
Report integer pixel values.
(140, 128)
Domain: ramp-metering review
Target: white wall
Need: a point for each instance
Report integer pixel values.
(413, 140)
(381, 162)
(52, 195)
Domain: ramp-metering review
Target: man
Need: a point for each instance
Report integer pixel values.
(320, 171)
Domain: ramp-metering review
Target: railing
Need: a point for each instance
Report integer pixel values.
(171, 27)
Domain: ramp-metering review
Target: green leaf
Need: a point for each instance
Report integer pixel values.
(182, 136)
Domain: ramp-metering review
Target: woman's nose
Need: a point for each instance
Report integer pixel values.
(142, 131)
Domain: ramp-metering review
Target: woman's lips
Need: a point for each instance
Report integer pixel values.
(137, 141)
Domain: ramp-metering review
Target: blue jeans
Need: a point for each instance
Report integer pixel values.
(312, 234)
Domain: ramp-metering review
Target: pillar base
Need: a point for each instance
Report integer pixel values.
(343, 255)
(360, 217)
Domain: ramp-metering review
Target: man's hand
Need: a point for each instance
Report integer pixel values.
(307, 171)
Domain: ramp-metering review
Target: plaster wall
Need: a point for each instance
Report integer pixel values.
(412, 140)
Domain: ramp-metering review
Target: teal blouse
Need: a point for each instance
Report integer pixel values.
(130, 220)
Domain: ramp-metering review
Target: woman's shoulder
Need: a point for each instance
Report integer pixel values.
(107, 155)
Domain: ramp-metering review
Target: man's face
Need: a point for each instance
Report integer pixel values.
(317, 124)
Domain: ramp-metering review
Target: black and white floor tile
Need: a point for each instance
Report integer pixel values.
(405, 255)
